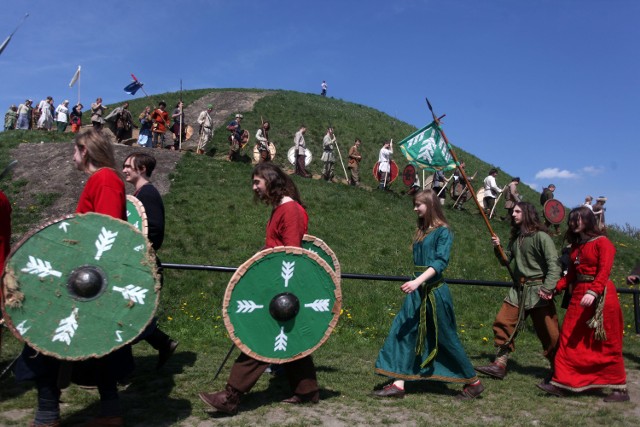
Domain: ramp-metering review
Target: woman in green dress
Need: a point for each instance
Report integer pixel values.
(423, 343)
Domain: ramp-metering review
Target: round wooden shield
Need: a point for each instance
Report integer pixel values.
(282, 304)
(409, 175)
(188, 132)
(136, 215)
(291, 155)
(394, 171)
(318, 246)
(256, 152)
(480, 197)
(553, 211)
(80, 287)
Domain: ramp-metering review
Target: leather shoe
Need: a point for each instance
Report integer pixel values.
(225, 401)
(470, 391)
(617, 396)
(551, 389)
(390, 390)
(297, 399)
(494, 370)
(165, 353)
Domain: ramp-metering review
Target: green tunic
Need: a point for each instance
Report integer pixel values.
(533, 257)
(441, 357)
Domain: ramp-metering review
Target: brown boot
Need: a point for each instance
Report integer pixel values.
(494, 370)
(224, 401)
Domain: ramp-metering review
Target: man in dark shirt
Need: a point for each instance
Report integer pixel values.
(137, 169)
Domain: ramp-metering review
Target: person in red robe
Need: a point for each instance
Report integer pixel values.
(590, 348)
(286, 227)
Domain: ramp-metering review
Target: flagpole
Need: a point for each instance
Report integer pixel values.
(503, 256)
(79, 79)
(181, 118)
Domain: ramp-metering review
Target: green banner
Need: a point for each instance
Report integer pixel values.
(427, 149)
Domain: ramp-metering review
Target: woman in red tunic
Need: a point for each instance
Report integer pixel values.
(590, 348)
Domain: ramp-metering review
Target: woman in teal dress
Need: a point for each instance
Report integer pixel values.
(423, 343)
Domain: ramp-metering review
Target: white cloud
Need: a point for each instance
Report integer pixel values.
(593, 170)
(550, 173)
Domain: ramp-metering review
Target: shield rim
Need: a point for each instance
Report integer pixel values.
(412, 181)
(394, 168)
(553, 220)
(9, 322)
(256, 152)
(142, 212)
(323, 245)
(243, 269)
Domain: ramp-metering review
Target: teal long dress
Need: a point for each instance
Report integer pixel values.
(429, 349)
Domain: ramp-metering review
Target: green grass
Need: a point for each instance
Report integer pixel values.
(212, 219)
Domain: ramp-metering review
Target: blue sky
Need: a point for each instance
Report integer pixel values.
(546, 90)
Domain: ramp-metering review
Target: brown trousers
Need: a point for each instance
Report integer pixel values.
(545, 323)
(246, 372)
(301, 168)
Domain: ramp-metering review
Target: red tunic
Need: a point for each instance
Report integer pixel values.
(287, 225)
(582, 362)
(104, 193)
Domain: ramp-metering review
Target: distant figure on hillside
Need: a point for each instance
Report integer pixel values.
(145, 136)
(459, 190)
(587, 202)
(323, 88)
(328, 157)
(511, 196)
(300, 150)
(598, 210)
(206, 128)
(237, 138)
(262, 142)
(439, 181)
(354, 163)
(24, 114)
(97, 109)
(160, 119)
(423, 342)
(491, 191)
(589, 353)
(45, 120)
(533, 259)
(179, 127)
(75, 118)
(121, 122)
(547, 194)
(62, 116)
(11, 118)
(287, 225)
(384, 165)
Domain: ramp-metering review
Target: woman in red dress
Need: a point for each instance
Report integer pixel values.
(590, 348)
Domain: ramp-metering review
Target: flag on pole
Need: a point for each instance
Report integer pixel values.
(75, 77)
(427, 149)
(133, 87)
(5, 43)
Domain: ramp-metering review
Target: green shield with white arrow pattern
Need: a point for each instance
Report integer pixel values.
(282, 304)
(81, 286)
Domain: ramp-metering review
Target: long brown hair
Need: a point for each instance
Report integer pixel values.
(589, 221)
(278, 184)
(530, 221)
(434, 216)
(99, 150)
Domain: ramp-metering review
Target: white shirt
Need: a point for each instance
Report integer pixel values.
(62, 113)
(384, 159)
(490, 187)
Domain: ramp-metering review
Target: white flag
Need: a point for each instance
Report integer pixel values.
(75, 77)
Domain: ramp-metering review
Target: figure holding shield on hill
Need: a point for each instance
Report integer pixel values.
(286, 227)
(423, 343)
(300, 148)
(491, 191)
(533, 258)
(328, 157)
(547, 194)
(384, 165)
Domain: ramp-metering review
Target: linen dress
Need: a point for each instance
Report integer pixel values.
(448, 362)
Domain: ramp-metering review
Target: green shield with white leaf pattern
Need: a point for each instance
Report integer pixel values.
(81, 286)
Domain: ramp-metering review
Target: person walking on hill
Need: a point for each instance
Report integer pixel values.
(590, 349)
(323, 88)
(179, 127)
(547, 194)
(160, 119)
(97, 110)
(287, 225)
(459, 190)
(24, 114)
(235, 139)
(491, 191)
(328, 157)
(206, 128)
(511, 197)
(75, 118)
(598, 211)
(354, 163)
(384, 165)
(300, 152)
(11, 118)
(121, 122)
(45, 120)
(62, 116)
(439, 181)
(144, 136)
(534, 262)
(423, 342)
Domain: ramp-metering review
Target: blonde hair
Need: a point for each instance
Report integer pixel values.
(99, 151)
(434, 216)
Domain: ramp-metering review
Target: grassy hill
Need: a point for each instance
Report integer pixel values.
(212, 219)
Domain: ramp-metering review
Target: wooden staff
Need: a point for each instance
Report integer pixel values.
(496, 203)
(464, 190)
(447, 181)
(181, 116)
(503, 256)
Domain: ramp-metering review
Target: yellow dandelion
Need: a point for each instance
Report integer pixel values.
(485, 339)
(169, 318)
(462, 331)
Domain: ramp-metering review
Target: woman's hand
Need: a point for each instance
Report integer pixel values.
(410, 286)
(587, 300)
(544, 294)
(495, 240)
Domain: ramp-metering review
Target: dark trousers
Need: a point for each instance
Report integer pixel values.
(301, 373)
(301, 167)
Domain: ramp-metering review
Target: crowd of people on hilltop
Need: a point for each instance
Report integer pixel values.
(45, 116)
